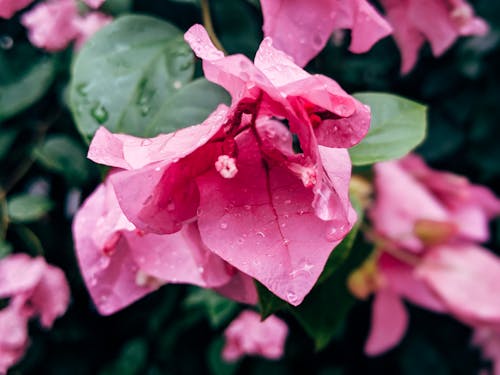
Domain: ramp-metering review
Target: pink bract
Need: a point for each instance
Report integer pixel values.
(440, 22)
(50, 24)
(94, 3)
(302, 28)
(121, 264)
(248, 335)
(9, 7)
(488, 339)
(440, 198)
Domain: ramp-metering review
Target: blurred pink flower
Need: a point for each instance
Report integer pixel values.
(488, 339)
(34, 288)
(9, 7)
(248, 335)
(89, 25)
(442, 207)
(426, 223)
(301, 28)
(50, 24)
(440, 22)
(121, 264)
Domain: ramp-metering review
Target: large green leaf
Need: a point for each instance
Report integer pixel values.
(124, 74)
(27, 88)
(190, 105)
(398, 125)
(61, 154)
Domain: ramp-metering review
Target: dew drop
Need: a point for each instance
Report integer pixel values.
(99, 113)
(240, 241)
(201, 269)
(248, 207)
(288, 201)
(81, 89)
(260, 234)
(292, 297)
(223, 226)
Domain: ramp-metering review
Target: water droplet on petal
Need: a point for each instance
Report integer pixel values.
(6, 42)
(260, 234)
(223, 226)
(292, 297)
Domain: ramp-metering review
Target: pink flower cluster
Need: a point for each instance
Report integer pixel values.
(34, 289)
(426, 228)
(229, 200)
(301, 28)
(53, 24)
(248, 335)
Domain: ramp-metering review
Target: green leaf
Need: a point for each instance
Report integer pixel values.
(5, 248)
(131, 361)
(188, 106)
(7, 137)
(25, 208)
(16, 96)
(117, 6)
(216, 364)
(398, 125)
(217, 308)
(123, 75)
(269, 303)
(63, 155)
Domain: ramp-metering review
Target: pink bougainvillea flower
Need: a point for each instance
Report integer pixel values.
(9, 7)
(301, 28)
(248, 335)
(51, 24)
(259, 205)
(440, 22)
(34, 288)
(89, 25)
(443, 206)
(94, 3)
(260, 219)
(121, 264)
(488, 339)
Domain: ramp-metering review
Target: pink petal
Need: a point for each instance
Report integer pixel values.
(465, 277)
(50, 24)
(51, 296)
(9, 7)
(128, 152)
(389, 323)
(261, 222)
(20, 273)
(247, 334)
(94, 3)
(178, 258)
(240, 288)
(402, 280)
(13, 328)
(107, 266)
(301, 28)
(394, 214)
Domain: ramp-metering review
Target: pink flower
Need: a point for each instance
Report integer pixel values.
(121, 264)
(34, 289)
(426, 223)
(51, 24)
(9, 7)
(302, 28)
(247, 334)
(440, 22)
(89, 25)
(488, 339)
(94, 3)
(443, 206)
(258, 204)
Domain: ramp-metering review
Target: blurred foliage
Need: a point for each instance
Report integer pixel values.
(177, 330)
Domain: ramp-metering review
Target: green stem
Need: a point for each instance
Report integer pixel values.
(207, 22)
